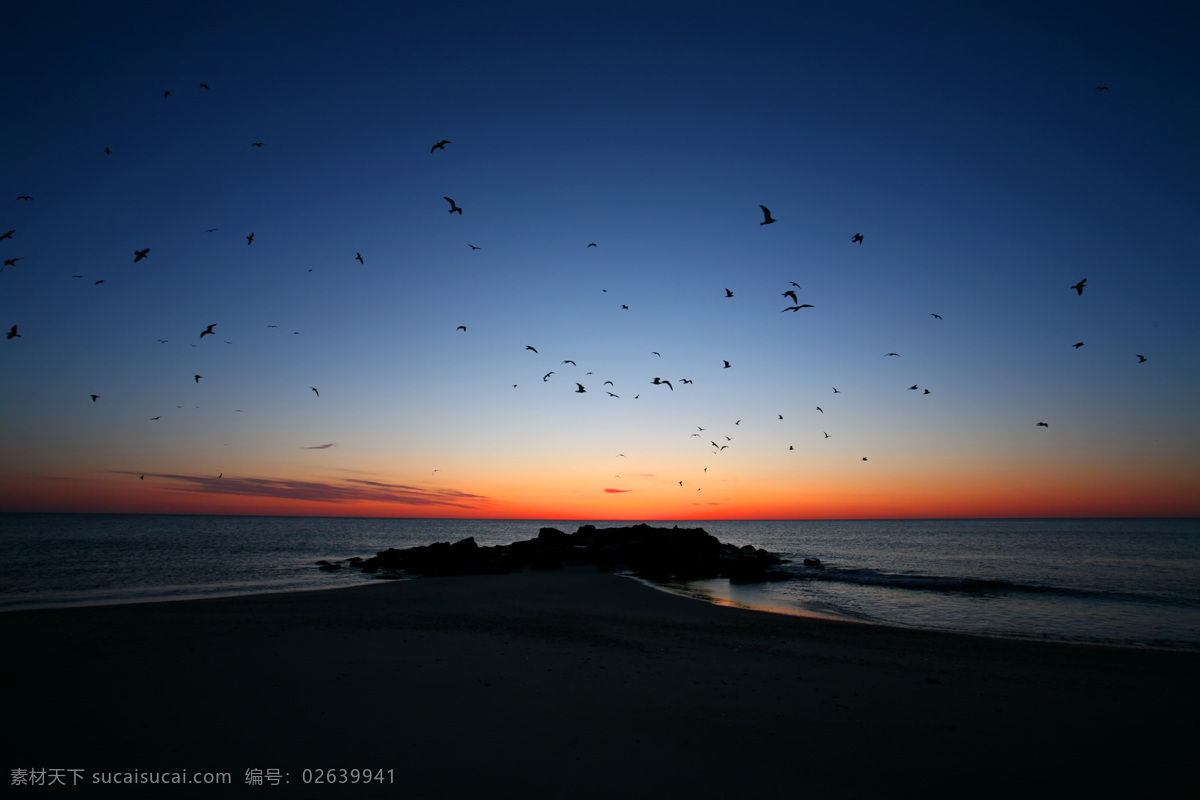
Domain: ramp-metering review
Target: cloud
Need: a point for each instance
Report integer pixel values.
(345, 491)
(618, 491)
(320, 446)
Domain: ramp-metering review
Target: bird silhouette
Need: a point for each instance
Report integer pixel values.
(727, 365)
(8, 235)
(660, 381)
(857, 238)
(24, 197)
(197, 378)
(461, 328)
(12, 333)
(820, 409)
(531, 347)
(94, 397)
(453, 207)
(11, 262)
(1140, 358)
(897, 355)
(473, 247)
(728, 293)
(767, 219)
(546, 377)
(1101, 88)
(1042, 425)
(794, 309)
(203, 85)
(207, 331)
(568, 361)
(792, 294)
(359, 257)
(318, 394)
(1077, 345)
(656, 353)
(592, 244)
(912, 388)
(580, 390)
(138, 255)
(835, 390)
(250, 238)
(1079, 286)
(610, 394)
(441, 145)
(936, 316)
(166, 94)
(256, 144)
(97, 283)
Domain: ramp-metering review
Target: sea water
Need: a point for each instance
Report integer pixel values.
(1129, 582)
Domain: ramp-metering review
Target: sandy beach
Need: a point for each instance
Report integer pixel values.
(576, 683)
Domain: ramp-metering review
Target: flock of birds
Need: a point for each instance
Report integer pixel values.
(716, 446)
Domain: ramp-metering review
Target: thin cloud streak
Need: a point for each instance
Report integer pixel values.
(351, 491)
(617, 491)
(320, 446)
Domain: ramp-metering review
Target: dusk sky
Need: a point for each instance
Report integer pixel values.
(969, 146)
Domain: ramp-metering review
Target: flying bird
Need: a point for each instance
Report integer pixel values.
(197, 377)
(820, 409)
(204, 86)
(593, 244)
(767, 219)
(473, 247)
(792, 294)
(1140, 358)
(794, 309)
(912, 388)
(936, 316)
(1077, 345)
(568, 361)
(546, 377)
(531, 347)
(656, 353)
(453, 207)
(610, 394)
(318, 394)
(726, 365)
(1079, 286)
(857, 238)
(207, 330)
(728, 293)
(1042, 425)
(461, 328)
(250, 238)
(9, 234)
(835, 390)
(359, 257)
(97, 283)
(94, 397)
(12, 333)
(256, 144)
(440, 145)
(660, 381)
(138, 255)
(580, 390)
(1101, 88)
(897, 355)
(166, 94)
(12, 262)
(24, 197)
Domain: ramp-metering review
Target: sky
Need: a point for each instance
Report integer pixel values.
(968, 144)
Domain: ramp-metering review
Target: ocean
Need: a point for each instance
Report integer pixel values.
(1125, 582)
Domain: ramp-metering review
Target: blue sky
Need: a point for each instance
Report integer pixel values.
(969, 145)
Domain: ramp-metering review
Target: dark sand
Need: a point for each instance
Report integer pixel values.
(576, 683)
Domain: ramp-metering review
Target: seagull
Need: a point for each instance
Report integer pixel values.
(568, 361)
(728, 293)
(473, 247)
(210, 230)
(767, 220)
(610, 394)
(835, 390)
(792, 294)
(1079, 286)
(204, 86)
(656, 353)
(440, 145)
(166, 94)
(912, 388)
(726, 364)
(12, 262)
(138, 255)
(593, 244)
(24, 197)
(820, 409)
(546, 377)
(207, 330)
(794, 309)
(162, 341)
(108, 150)
(1042, 425)
(250, 238)
(1101, 88)
(197, 377)
(897, 355)
(1077, 345)
(97, 283)
(12, 334)
(256, 144)
(660, 381)
(359, 257)
(857, 238)
(936, 316)
(531, 347)
(461, 328)
(826, 434)
(1141, 358)
(453, 207)
(580, 390)
(154, 418)
(925, 392)
(94, 397)
(318, 394)
(9, 234)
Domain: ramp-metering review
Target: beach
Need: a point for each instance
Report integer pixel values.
(574, 682)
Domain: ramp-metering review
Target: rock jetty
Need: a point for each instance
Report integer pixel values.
(655, 553)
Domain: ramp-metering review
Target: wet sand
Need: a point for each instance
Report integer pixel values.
(578, 683)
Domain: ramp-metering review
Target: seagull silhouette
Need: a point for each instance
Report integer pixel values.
(453, 207)
(1101, 88)
(546, 377)
(1042, 425)
(256, 144)
(461, 328)
(936, 316)
(728, 293)
(1140, 358)
(531, 347)
(12, 333)
(207, 331)
(1077, 345)
(250, 238)
(767, 219)
(441, 145)
(204, 86)
(593, 244)
(9, 234)
(794, 309)
(897, 355)
(1079, 286)
(726, 365)
(197, 377)
(473, 247)
(94, 397)
(580, 390)
(568, 361)
(138, 255)
(660, 381)
(24, 197)
(358, 256)
(318, 394)
(857, 238)
(792, 294)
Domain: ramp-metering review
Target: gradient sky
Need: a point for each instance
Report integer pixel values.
(968, 145)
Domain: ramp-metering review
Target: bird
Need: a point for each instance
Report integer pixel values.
(250, 238)
(792, 294)
(203, 85)
(256, 144)
(166, 94)
(12, 333)
(625, 307)
(97, 283)
(580, 390)
(610, 394)
(1101, 88)
(1140, 358)
(660, 381)
(441, 145)
(453, 207)
(546, 377)
(1042, 425)
(24, 197)
(797, 308)
(359, 257)
(163, 341)
(1077, 345)
(925, 392)
(912, 388)
(826, 434)
(728, 293)
(897, 355)
(835, 390)
(767, 219)
(154, 418)
(531, 347)
(473, 247)
(685, 380)
(857, 238)
(820, 409)
(138, 255)
(141, 477)
(211, 230)
(727, 365)
(94, 397)
(568, 361)
(207, 330)
(936, 316)
(108, 150)
(1079, 286)
(656, 353)
(197, 377)
(592, 244)
(12, 262)
(318, 394)
(9, 234)
(461, 328)
(607, 383)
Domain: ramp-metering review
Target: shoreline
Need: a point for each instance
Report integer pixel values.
(534, 682)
